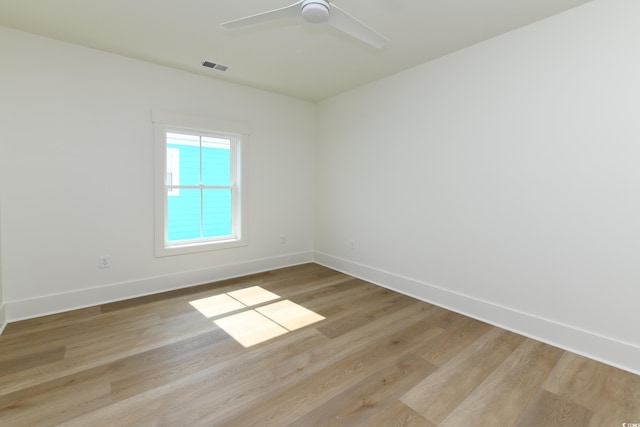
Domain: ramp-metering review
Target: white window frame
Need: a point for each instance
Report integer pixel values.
(173, 160)
(170, 122)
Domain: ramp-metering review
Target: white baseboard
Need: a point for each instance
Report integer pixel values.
(57, 303)
(3, 318)
(603, 349)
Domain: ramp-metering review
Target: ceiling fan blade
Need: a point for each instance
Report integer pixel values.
(346, 23)
(284, 12)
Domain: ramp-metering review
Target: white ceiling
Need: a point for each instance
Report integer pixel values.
(289, 56)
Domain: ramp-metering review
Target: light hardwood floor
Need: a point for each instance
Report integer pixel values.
(377, 358)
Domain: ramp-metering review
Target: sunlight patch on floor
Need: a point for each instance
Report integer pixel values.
(250, 328)
(255, 325)
(217, 305)
(289, 314)
(253, 295)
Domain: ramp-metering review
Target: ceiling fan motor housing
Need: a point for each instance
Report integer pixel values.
(315, 11)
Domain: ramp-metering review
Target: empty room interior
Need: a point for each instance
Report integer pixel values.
(360, 213)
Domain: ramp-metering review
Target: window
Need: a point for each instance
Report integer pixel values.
(173, 170)
(200, 203)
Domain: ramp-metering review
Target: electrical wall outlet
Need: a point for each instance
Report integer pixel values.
(283, 239)
(104, 261)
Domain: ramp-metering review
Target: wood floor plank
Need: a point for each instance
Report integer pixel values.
(355, 345)
(43, 323)
(79, 358)
(384, 304)
(85, 327)
(444, 318)
(224, 386)
(28, 360)
(457, 337)
(440, 393)
(550, 410)
(342, 374)
(507, 391)
(54, 402)
(241, 382)
(158, 361)
(398, 415)
(339, 300)
(369, 397)
(579, 379)
(619, 400)
(141, 372)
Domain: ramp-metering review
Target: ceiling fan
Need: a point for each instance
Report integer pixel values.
(316, 12)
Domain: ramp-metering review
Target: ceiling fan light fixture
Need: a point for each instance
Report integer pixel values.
(315, 11)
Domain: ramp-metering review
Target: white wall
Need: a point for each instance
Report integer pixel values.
(76, 175)
(500, 181)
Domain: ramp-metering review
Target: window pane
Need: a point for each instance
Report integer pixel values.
(217, 213)
(216, 161)
(183, 215)
(173, 171)
(188, 147)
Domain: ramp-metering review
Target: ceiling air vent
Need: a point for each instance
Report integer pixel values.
(219, 67)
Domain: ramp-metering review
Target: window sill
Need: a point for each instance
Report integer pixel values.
(189, 248)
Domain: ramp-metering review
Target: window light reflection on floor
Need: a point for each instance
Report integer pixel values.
(255, 325)
(250, 328)
(217, 305)
(253, 295)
